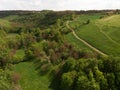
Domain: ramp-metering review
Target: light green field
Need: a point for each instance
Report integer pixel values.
(11, 17)
(110, 21)
(30, 78)
(111, 26)
(106, 42)
(5, 23)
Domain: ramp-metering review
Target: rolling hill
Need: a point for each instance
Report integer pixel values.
(100, 33)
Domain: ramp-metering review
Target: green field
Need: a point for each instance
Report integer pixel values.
(111, 27)
(30, 78)
(107, 40)
(5, 23)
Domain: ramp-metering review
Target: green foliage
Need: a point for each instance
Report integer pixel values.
(29, 54)
(3, 57)
(69, 65)
(101, 79)
(4, 80)
(84, 84)
(111, 80)
(88, 75)
(68, 80)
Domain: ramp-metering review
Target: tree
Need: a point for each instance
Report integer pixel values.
(111, 81)
(3, 57)
(29, 54)
(101, 79)
(69, 65)
(4, 81)
(67, 80)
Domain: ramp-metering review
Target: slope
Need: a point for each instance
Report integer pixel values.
(93, 35)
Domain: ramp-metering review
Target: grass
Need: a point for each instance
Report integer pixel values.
(11, 36)
(91, 33)
(110, 21)
(111, 26)
(75, 42)
(5, 23)
(20, 53)
(115, 35)
(79, 23)
(30, 79)
(11, 17)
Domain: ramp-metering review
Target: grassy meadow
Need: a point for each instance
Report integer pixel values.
(100, 33)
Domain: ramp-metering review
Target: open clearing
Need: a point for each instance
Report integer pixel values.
(30, 78)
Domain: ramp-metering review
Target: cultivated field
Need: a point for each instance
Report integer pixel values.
(103, 33)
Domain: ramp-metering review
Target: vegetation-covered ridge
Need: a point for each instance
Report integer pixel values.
(40, 51)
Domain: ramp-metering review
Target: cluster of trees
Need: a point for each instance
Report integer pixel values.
(29, 29)
(88, 74)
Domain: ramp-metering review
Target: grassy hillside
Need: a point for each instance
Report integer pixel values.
(110, 21)
(111, 26)
(106, 41)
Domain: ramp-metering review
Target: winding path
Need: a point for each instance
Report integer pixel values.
(86, 43)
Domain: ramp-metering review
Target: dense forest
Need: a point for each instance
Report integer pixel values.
(41, 38)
